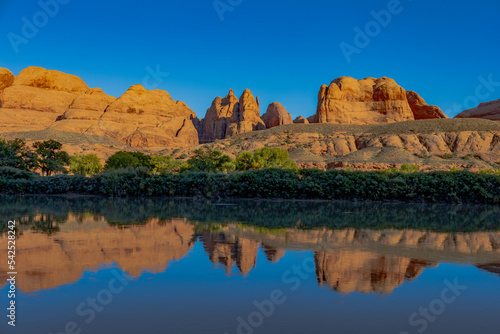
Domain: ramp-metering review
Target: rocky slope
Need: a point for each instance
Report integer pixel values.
(50, 102)
(439, 144)
(38, 99)
(487, 110)
(370, 101)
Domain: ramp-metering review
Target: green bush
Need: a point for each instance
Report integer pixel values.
(86, 165)
(434, 187)
(15, 173)
(207, 160)
(264, 158)
(124, 159)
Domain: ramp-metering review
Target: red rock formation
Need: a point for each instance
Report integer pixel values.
(227, 251)
(229, 116)
(36, 88)
(40, 98)
(216, 121)
(276, 115)
(139, 118)
(358, 271)
(247, 117)
(6, 78)
(487, 110)
(301, 120)
(367, 101)
(51, 261)
(421, 110)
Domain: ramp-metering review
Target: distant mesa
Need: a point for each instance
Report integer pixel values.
(487, 110)
(370, 101)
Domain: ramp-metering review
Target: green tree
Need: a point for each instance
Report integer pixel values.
(15, 153)
(163, 164)
(264, 158)
(51, 159)
(207, 160)
(85, 164)
(124, 159)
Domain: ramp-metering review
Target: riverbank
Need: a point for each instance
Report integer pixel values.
(433, 187)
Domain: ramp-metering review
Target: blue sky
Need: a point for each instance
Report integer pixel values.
(282, 50)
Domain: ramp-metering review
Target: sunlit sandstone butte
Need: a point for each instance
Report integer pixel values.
(37, 99)
(347, 260)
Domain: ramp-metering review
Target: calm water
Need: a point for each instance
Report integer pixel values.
(89, 265)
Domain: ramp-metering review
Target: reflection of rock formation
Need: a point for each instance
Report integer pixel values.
(358, 271)
(272, 254)
(45, 262)
(227, 250)
(493, 268)
(346, 260)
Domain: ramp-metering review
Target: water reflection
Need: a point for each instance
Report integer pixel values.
(62, 238)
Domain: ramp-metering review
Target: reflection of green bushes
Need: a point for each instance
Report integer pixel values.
(34, 212)
(434, 187)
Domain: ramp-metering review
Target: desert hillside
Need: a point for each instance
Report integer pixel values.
(362, 124)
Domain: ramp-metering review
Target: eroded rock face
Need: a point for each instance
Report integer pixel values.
(421, 110)
(229, 116)
(6, 78)
(51, 261)
(365, 272)
(247, 117)
(216, 121)
(36, 88)
(227, 251)
(38, 99)
(276, 115)
(487, 110)
(139, 118)
(367, 101)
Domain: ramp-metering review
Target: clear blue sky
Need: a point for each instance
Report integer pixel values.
(282, 50)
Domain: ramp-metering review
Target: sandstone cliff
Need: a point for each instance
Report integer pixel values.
(487, 110)
(139, 118)
(247, 117)
(38, 99)
(229, 116)
(420, 108)
(6, 79)
(370, 101)
(276, 115)
(216, 121)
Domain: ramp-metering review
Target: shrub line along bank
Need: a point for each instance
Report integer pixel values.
(433, 187)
